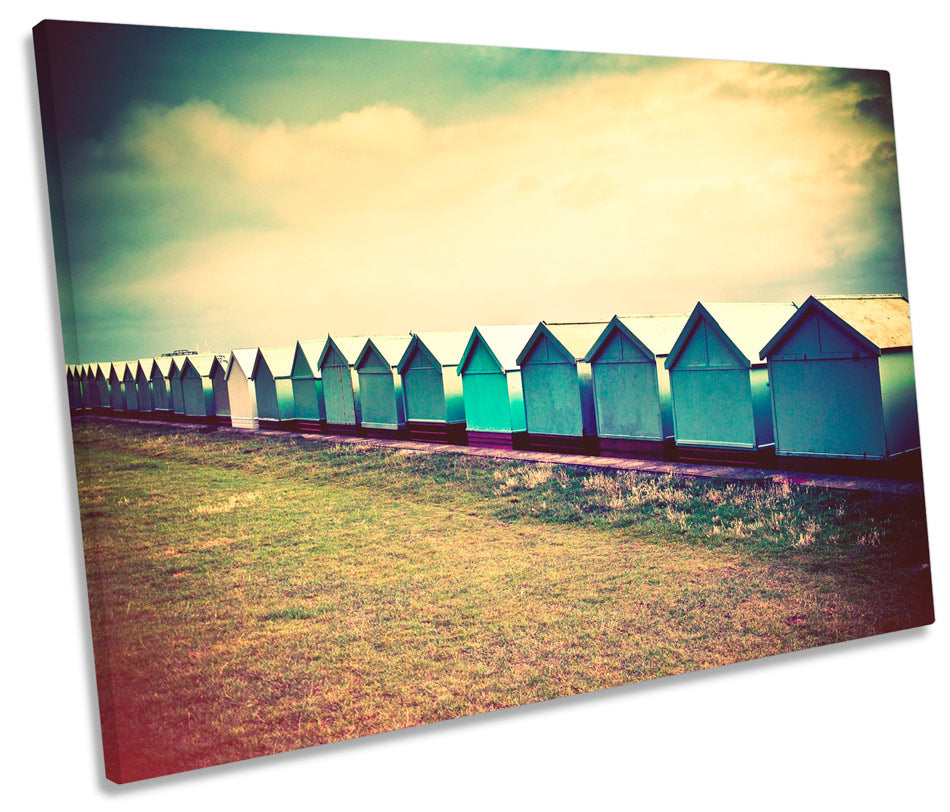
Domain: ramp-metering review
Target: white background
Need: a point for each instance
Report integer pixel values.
(861, 724)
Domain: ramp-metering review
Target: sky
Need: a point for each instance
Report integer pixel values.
(216, 189)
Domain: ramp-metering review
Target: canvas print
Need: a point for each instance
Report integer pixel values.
(413, 381)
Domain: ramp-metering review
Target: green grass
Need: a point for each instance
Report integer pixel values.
(253, 594)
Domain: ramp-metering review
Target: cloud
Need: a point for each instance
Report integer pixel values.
(601, 193)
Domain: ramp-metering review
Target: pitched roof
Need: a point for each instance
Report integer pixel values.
(744, 325)
(164, 365)
(244, 358)
(880, 321)
(503, 341)
(574, 338)
(390, 348)
(279, 360)
(118, 369)
(202, 363)
(348, 346)
(445, 347)
(655, 334)
(310, 350)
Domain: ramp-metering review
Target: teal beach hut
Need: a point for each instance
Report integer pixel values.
(242, 397)
(491, 385)
(102, 372)
(432, 388)
(632, 386)
(130, 392)
(274, 388)
(558, 394)
(219, 388)
(90, 392)
(174, 386)
(197, 390)
(308, 386)
(722, 409)
(73, 388)
(116, 376)
(341, 387)
(381, 400)
(161, 393)
(842, 379)
(143, 386)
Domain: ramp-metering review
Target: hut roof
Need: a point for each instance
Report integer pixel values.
(144, 365)
(203, 363)
(244, 358)
(574, 338)
(279, 360)
(118, 368)
(163, 364)
(349, 347)
(655, 334)
(503, 341)
(445, 347)
(743, 325)
(310, 350)
(881, 322)
(390, 348)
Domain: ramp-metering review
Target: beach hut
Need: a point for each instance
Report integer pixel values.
(721, 404)
(197, 389)
(102, 372)
(73, 388)
(242, 398)
(161, 392)
(175, 388)
(558, 396)
(491, 385)
(129, 390)
(381, 400)
(90, 392)
(274, 388)
(341, 387)
(143, 386)
(632, 386)
(842, 379)
(307, 385)
(432, 388)
(219, 388)
(116, 377)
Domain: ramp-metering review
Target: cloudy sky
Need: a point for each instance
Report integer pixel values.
(246, 189)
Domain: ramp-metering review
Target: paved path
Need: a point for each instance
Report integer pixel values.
(656, 467)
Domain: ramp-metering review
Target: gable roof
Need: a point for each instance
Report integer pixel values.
(117, 368)
(390, 348)
(574, 339)
(504, 342)
(348, 346)
(279, 361)
(144, 365)
(445, 348)
(310, 350)
(202, 364)
(163, 364)
(744, 326)
(880, 322)
(244, 358)
(653, 334)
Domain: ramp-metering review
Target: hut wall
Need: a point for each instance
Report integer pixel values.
(219, 392)
(487, 401)
(266, 388)
(516, 409)
(761, 406)
(174, 387)
(160, 395)
(130, 395)
(341, 391)
(90, 393)
(381, 399)
(424, 390)
(713, 407)
(899, 394)
(116, 400)
(197, 395)
(626, 392)
(242, 399)
(143, 392)
(105, 392)
(308, 398)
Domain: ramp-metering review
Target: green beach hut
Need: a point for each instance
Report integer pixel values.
(432, 388)
(219, 388)
(129, 391)
(102, 372)
(90, 392)
(558, 394)
(116, 377)
(174, 386)
(143, 386)
(197, 390)
(274, 388)
(632, 386)
(308, 386)
(161, 392)
(722, 409)
(491, 385)
(381, 400)
(842, 379)
(242, 397)
(341, 386)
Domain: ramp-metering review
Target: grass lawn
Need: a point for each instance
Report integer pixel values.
(253, 594)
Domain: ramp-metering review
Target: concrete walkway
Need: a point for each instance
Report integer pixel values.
(654, 467)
